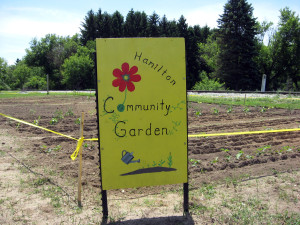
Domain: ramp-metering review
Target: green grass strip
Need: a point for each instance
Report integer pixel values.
(270, 102)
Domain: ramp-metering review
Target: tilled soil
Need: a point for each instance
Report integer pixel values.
(211, 159)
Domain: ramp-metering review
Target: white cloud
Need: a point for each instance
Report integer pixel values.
(207, 15)
(34, 28)
(266, 11)
(20, 25)
(37, 22)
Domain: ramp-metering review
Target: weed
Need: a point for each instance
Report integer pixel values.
(194, 162)
(56, 148)
(69, 112)
(149, 202)
(198, 113)
(40, 181)
(249, 157)
(239, 155)
(54, 194)
(275, 172)
(215, 160)
(263, 109)
(231, 180)
(18, 126)
(37, 121)
(268, 128)
(288, 218)
(215, 111)
(246, 109)
(229, 109)
(198, 208)
(2, 153)
(224, 150)
(287, 148)
(177, 208)
(57, 116)
(208, 191)
(228, 157)
(53, 121)
(85, 145)
(262, 150)
(77, 121)
(45, 149)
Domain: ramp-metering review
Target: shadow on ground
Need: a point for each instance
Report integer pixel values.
(171, 220)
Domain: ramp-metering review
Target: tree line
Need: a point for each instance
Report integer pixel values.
(233, 56)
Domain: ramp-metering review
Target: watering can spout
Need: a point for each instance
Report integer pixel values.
(135, 161)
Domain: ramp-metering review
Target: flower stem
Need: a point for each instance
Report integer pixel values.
(125, 96)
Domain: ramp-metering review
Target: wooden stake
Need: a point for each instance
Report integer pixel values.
(80, 161)
(47, 84)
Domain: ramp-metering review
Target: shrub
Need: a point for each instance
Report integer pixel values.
(207, 84)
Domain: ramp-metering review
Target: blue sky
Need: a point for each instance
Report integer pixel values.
(23, 20)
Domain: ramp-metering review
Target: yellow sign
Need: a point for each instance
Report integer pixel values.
(142, 111)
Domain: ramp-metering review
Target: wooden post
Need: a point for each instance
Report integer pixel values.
(80, 161)
(47, 84)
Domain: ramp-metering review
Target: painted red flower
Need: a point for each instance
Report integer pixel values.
(125, 77)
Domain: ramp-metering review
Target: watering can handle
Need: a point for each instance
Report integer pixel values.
(123, 153)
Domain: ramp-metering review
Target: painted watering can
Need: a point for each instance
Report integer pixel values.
(127, 157)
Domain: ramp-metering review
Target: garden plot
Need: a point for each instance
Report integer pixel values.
(211, 159)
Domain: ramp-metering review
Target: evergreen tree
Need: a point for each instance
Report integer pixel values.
(99, 24)
(237, 30)
(107, 25)
(192, 52)
(205, 32)
(163, 27)
(182, 27)
(142, 31)
(173, 29)
(130, 25)
(88, 30)
(153, 22)
(117, 25)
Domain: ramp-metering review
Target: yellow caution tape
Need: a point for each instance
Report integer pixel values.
(79, 145)
(92, 139)
(244, 132)
(80, 140)
(33, 125)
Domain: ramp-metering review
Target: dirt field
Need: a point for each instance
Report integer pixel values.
(37, 163)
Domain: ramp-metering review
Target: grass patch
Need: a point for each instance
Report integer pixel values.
(17, 94)
(2, 153)
(267, 102)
